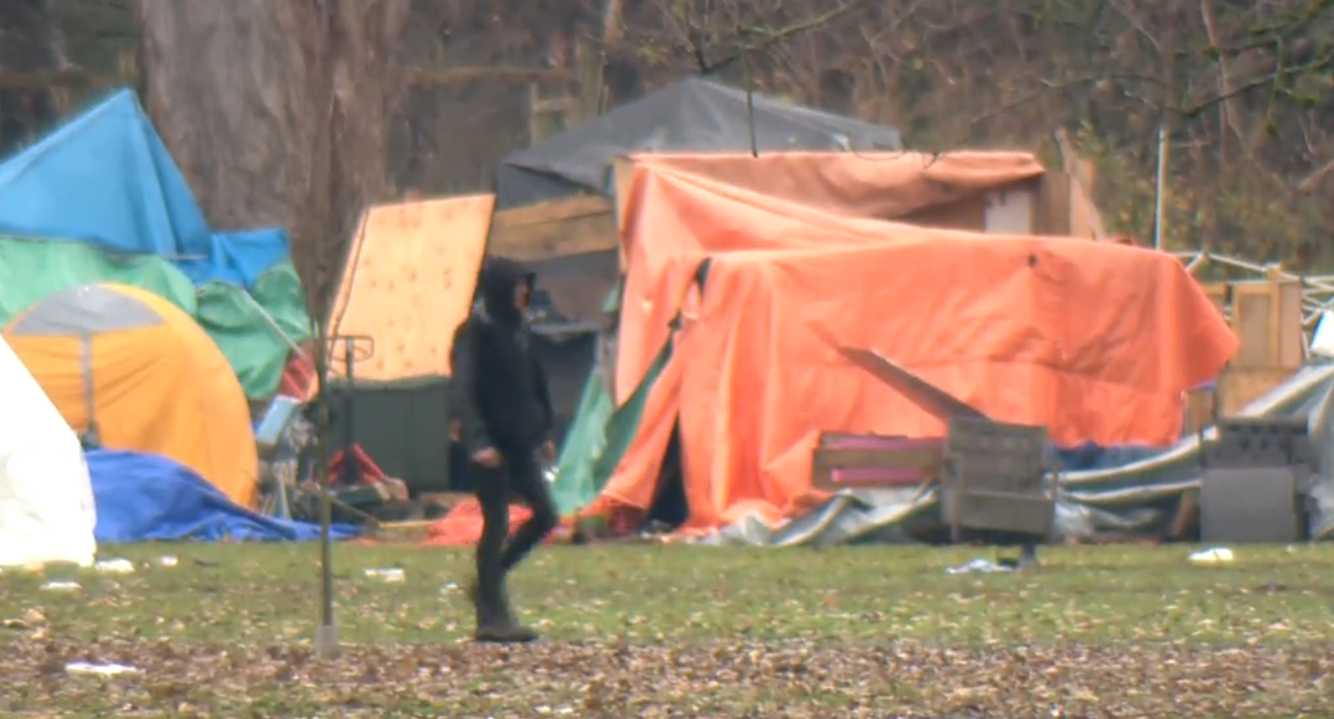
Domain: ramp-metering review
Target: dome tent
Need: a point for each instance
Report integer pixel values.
(129, 370)
(46, 498)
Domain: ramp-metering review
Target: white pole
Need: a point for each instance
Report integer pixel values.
(1162, 187)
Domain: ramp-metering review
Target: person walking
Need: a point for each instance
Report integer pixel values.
(504, 409)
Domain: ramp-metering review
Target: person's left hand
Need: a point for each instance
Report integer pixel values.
(547, 452)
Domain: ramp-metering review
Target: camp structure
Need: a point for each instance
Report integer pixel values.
(554, 208)
(406, 285)
(694, 115)
(128, 370)
(137, 223)
(553, 205)
(736, 304)
(46, 497)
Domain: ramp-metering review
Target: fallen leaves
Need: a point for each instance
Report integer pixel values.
(681, 632)
(724, 678)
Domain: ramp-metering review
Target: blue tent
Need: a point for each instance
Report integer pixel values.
(107, 178)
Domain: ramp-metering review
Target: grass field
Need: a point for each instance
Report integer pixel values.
(656, 631)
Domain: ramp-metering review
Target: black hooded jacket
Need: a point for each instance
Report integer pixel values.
(500, 390)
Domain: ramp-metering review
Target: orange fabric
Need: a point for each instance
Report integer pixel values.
(884, 185)
(1010, 340)
(462, 527)
(662, 245)
(164, 389)
(1097, 341)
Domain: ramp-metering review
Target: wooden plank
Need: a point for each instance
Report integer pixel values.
(1291, 343)
(1085, 219)
(548, 230)
(622, 181)
(1053, 212)
(1254, 320)
(551, 211)
(1219, 293)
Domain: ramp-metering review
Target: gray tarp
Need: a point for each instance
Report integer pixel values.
(695, 115)
(1137, 497)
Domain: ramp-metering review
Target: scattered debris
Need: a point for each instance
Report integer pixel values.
(105, 670)
(168, 561)
(63, 585)
(115, 566)
(1216, 555)
(392, 574)
(985, 566)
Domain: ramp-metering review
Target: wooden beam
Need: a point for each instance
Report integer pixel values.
(558, 228)
(1083, 210)
(47, 79)
(416, 76)
(622, 179)
(420, 77)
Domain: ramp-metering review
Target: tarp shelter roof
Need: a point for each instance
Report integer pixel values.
(1095, 340)
(107, 178)
(694, 115)
(791, 193)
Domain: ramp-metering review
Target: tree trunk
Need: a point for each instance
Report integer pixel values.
(30, 43)
(277, 113)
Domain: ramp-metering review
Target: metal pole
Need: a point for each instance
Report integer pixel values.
(326, 636)
(350, 471)
(1158, 203)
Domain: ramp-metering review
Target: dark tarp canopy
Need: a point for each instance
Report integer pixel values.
(695, 115)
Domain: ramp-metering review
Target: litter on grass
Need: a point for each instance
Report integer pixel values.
(984, 566)
(1215, 555)
(104, 670)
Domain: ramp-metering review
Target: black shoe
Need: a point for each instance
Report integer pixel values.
(504, 633)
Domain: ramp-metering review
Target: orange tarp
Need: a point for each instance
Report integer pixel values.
(409, 282)
(883, 185)
(1097, 341)
(793, 190)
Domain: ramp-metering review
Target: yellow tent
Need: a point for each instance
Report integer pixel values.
(142, 376)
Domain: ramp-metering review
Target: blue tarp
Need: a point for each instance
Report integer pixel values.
(107, 178)
(145, 497)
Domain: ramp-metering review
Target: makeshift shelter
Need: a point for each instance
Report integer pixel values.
(694, 115)
(406, 285)
(552, 205)
(128, 370)
(1097, 341)
(134, 206)
(981, 191)
(46, 498)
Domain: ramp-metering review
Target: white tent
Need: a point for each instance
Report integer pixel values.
(46, 497)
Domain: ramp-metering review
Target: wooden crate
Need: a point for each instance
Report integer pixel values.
(1266, 315)
(843, 461)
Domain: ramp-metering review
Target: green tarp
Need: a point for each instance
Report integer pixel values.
(599, 437)
(245, 325)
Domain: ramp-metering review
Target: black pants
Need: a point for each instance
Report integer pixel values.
(518, 476)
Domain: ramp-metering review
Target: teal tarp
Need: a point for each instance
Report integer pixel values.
(599, 437)
(248, 327)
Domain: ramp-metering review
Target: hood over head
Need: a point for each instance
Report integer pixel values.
(496, 287)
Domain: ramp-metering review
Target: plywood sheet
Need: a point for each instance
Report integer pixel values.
(408, 283)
